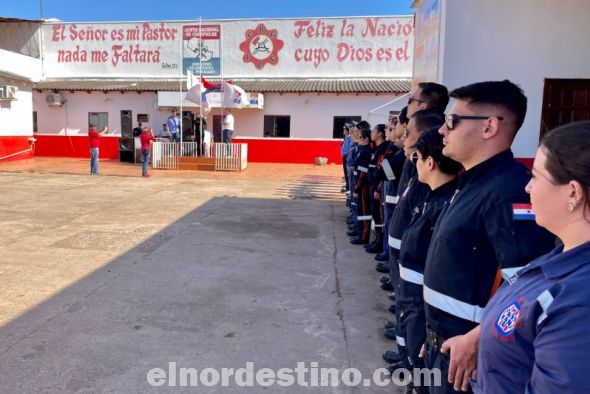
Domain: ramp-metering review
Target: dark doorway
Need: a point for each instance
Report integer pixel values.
(564, 101)
(339, 121)
(216, 128)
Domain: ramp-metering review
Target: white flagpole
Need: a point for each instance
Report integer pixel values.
(221, 56)
(200, 147)
(180, 67)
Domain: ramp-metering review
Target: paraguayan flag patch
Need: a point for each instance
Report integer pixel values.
(523, 212)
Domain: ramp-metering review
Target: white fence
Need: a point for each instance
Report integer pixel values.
(230, 157)
(188, 149)
(165, 155)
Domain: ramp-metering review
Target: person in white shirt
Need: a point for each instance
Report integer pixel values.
(206, 140)
(228, 126)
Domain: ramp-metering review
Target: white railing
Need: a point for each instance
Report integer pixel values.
(165, 155)
(230, 157)
(189, 149)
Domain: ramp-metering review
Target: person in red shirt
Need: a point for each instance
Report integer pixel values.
(146, 139)
(93, 139)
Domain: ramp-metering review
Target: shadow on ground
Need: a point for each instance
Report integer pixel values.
(273, 282)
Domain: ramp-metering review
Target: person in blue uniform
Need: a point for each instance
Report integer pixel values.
(476, 240)
(361, 185)
(534, 331)
(389, 172)
(411, 197)
(380, 146)
(352, 174)
(346, 141)
(439, 173)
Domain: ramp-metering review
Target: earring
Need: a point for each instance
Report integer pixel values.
(570, 207)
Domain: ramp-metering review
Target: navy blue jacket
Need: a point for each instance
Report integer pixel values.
(534, 332)
(412, 194)
(416, 239)
(390, 173)
(475, 240)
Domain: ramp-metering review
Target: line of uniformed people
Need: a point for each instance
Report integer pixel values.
(452, 241)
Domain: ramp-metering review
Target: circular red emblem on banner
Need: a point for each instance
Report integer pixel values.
(261, 46)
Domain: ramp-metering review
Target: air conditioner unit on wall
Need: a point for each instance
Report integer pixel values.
(54, 100)
(8, 92)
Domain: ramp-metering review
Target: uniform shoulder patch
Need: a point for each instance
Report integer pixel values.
(507, 319)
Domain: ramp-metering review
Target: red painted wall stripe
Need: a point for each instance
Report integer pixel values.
(14, 144)
(259, 150)
(63, 146)
(290, 151)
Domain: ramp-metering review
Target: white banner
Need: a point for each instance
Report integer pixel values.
(275, 48)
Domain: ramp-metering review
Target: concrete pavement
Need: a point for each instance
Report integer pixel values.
(106, 278)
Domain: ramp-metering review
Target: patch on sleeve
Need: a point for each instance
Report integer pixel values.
(507, 320)
(523, 212)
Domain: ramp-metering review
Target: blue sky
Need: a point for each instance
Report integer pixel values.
(127, 10)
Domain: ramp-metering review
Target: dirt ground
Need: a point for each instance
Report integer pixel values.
(266, 171)
(105, 277)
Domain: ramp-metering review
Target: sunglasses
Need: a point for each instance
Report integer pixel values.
(452, 120)
(414, 158)
(412, 99)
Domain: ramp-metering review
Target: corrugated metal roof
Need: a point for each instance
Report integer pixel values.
(8, 19)
(393, 85)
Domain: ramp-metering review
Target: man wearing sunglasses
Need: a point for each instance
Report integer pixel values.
(477, 241)
(428, 95)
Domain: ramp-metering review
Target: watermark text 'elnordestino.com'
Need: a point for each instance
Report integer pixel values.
(301, 375)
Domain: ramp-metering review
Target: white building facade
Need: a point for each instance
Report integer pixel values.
(305, 78)
(538, 44)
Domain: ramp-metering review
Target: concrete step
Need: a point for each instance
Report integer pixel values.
(197, 160)
(196, 167)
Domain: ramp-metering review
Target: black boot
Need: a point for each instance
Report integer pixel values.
(392, 357)
(387, 286)
(384, 268)
(377, 245)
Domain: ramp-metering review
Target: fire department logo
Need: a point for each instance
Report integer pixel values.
(507, 320)
(261, 46)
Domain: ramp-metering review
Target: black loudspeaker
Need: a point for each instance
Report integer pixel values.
(126, 144)
(126, 124)
(126, 153)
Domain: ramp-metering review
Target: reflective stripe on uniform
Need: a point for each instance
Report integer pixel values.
(508, 272)
(363, 169)
(400, 341)
(372, 166)
(388, 170)
(454, 307)
(391, 199)
(379, 225)
(355, 172)
(394, 242)
(410, 275)
(545, 299)
(363, 218)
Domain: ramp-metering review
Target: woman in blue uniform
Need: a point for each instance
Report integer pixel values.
(534, 331)
(361, 185)
(438, 172)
